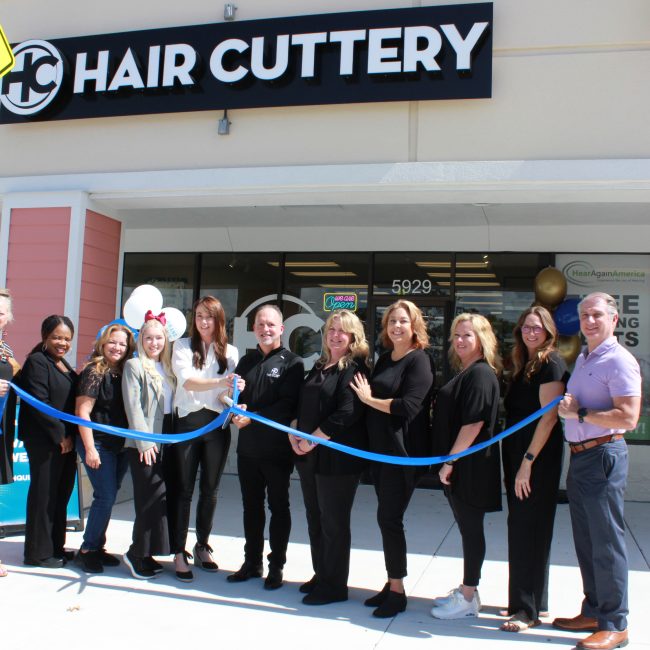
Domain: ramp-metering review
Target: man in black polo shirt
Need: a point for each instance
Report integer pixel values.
(273, 378)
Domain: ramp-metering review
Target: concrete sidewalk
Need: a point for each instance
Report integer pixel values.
(67, 609)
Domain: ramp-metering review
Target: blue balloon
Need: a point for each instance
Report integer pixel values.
(566, 317)
(118, 321)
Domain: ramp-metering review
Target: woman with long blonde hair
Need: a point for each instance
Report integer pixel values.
(330, 409)
(99, 399)
(465, 413)
(149, 385)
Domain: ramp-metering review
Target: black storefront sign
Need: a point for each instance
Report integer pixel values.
(421, 53)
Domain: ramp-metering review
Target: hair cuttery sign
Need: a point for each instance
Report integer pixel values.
(442, 52)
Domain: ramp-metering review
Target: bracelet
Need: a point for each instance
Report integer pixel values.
(450, 462)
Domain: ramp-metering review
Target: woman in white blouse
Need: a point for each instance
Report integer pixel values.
(203, 365)
(148, 391)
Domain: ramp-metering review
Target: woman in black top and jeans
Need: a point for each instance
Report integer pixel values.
(99, 398)
(329, 479)
(399, 397)
(49, 443)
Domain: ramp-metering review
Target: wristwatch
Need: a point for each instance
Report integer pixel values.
(529, 456)
(582, 414)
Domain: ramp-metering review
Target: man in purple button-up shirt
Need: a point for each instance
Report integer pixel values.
(602, 402)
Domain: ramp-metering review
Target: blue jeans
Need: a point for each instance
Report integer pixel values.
(106, 481)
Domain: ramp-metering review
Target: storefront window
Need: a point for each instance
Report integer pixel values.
(316, 284)
(498, 285)
(240, 281)
(174, 274)
(412, 274)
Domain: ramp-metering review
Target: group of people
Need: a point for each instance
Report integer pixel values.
(388, 409)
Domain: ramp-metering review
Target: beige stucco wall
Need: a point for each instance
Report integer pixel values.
(567, 83)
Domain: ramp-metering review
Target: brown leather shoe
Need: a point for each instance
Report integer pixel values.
(579, 623)
(604, 640)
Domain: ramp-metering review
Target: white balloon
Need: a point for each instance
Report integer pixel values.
(147, 298)
(176, 322)
(141, 287)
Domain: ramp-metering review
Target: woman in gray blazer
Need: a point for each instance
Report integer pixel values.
(148, 388)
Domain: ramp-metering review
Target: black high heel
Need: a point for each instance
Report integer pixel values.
(211, 565)
(185, 576)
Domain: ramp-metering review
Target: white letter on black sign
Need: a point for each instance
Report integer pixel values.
(153, 66)
(308, 43)
(427, 56)
(347, 40)
(377, 54)
(98, 75)
(463, 47)
(127, 74)
(281, 58)
(216, 61)
(181, 70)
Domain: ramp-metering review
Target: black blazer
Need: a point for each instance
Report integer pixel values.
(43, 380)
(341, 417)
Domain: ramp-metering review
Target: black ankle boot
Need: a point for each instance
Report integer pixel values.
(394, 604)
(379, 598)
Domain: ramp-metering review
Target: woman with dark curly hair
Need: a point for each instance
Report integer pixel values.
(532, 464)
(99, 399)
(398, 397)
(49, 443)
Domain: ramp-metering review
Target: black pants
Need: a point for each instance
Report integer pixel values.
(270, 478)
(150, 527)
(394, 487)
(530, 530)
(181, 463)
(470, 525)
(52, 476)
(328, 504)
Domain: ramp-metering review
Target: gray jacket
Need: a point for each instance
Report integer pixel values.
(144, 403)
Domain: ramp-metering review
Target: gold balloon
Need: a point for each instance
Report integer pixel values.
(550, 286)
(569, 347)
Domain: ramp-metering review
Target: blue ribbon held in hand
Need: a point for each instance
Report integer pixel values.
(223, 419)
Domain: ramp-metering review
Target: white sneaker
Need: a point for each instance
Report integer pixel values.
(457, 607)
(443, 600)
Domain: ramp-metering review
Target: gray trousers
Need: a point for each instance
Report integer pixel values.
(596, 489)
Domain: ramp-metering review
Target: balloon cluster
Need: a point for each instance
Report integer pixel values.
(146, 297)
(550, 292)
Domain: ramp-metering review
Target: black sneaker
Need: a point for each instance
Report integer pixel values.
(150, 563)
(45, 563)
(107, 559)
(89, 562)
(137, 567)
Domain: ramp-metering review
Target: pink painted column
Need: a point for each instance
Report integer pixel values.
(37, 262)
(101, 256)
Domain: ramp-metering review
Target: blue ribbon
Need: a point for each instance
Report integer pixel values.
(3, 403)
(236, 410)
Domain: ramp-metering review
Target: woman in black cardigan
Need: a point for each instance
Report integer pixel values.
(49, 443)
(399, 401)
(329, 479)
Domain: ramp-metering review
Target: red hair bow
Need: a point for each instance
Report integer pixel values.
(151, 316)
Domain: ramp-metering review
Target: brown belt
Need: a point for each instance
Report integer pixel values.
(577, 447)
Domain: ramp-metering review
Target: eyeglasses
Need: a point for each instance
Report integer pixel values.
(535, 329)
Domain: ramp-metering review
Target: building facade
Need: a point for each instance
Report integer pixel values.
(397, 179)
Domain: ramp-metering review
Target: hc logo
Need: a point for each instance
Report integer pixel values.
(35, 80)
